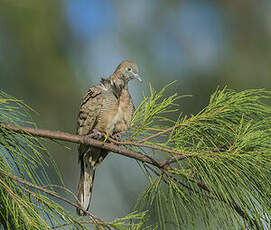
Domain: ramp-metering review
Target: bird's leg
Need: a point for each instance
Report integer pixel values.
(96, 134)
(117, 136)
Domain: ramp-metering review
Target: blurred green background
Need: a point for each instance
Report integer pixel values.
(52, 51)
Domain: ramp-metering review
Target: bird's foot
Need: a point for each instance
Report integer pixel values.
(117, 136)
(96, 134)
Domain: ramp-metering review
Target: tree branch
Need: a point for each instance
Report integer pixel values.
(94, 218)
(158, 134)
(63, 136)
(163, 165)
(140, 144)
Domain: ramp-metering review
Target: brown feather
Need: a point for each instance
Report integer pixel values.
(107, 108)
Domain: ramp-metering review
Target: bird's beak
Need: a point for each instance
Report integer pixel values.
(137, 77)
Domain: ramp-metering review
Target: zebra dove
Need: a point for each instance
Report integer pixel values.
(106, 109)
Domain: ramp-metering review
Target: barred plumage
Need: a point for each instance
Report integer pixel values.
(106, 108)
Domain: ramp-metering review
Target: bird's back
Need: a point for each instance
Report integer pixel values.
(107, 109)
(98, 107)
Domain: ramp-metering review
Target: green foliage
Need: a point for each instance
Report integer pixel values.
(224, 180)
(26, 207)
(26, 157)
(153, 111)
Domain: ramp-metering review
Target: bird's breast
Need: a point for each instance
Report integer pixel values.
(123, 116)
(116, 114)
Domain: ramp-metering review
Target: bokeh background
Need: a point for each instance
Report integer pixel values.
(52, 51)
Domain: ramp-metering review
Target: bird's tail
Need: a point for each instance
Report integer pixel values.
(85, 185)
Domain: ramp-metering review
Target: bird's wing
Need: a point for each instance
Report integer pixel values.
(90, 110)
(89, 156)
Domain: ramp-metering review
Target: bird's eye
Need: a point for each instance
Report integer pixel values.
(129, 69)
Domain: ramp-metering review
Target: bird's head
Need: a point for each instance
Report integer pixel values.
(128, 70)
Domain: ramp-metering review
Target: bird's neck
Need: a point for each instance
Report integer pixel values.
(118, 83)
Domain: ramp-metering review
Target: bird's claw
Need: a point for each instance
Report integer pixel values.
(96, 134)
(117, 136)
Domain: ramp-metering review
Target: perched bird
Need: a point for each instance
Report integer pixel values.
(106, 109)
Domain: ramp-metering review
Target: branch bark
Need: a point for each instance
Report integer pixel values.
(63, 136)
(163, 165)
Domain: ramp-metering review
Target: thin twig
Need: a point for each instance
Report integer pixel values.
(64, 188)
(13, 198)
(158, 134)
(136, 143)
(163, 165)
(52, 193)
